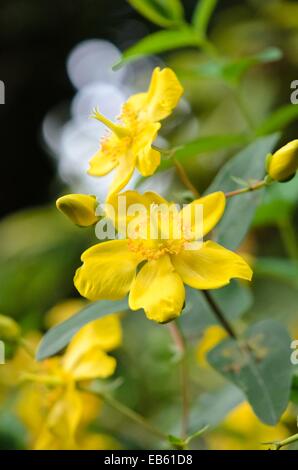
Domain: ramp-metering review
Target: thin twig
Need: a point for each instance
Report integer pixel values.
(253, 187)
(127, 412)
(219, 315)
(184, 179)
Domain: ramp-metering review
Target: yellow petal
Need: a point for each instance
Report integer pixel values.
(106, 158)
(66, 413)
(213, 206)
(107, 272)
(159, 290)
(148, 159)
(91, 441)
(104, 333)
(47, 440)
(210, 267)
(93, 364)
(124, 172)
(163, 95)
(120, 203)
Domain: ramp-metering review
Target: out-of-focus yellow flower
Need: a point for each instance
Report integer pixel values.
(283, 164)
(79, 208)
(64, 406)
(109, 269)
(211, 337)
(9, 329)
(242, 430)
(129, 145)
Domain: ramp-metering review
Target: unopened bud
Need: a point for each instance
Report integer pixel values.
(9, 329)
(79, 208)
(283, 164)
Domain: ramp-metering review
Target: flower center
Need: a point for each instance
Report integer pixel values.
(154, 249)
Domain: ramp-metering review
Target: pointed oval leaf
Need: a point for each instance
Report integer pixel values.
(260, 366)
(59, 336)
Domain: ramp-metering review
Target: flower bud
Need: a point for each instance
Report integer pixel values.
(79, 208)
(9, 329)
(283, 164)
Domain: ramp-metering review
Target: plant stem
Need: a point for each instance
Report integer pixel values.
(252, 187)
(184, 178)
(279, 444)
(289, 237)
(127, 412)
(219, 315)
(181, 347)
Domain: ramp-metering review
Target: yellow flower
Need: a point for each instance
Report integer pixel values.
(283, 164)
(62, 404)
(242, 430)
(79, 208)
(129, 145)
(109, 269)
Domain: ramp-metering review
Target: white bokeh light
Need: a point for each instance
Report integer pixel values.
(91, 61)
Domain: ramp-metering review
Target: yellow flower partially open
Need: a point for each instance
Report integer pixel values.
(154, 271)
(129, 145)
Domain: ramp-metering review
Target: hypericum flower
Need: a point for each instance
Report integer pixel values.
(154, 271)
(85, 359)
(283, 164)
(129, 145)
(79, 208)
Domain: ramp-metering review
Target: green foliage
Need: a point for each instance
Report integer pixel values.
(206, 144)
(259, 365)
(165, 13)
(38, 254)
(202, 15)
(278, 119)
(158, 42)
(248, 164)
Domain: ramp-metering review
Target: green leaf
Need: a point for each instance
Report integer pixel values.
(59, 336)
(277, 268)
(158, 42)
(232, 70)
(248, 164)
(205, 144)
(164, 13)
(260, 366)
(213, 407)
(202, 15)
(278, 120)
